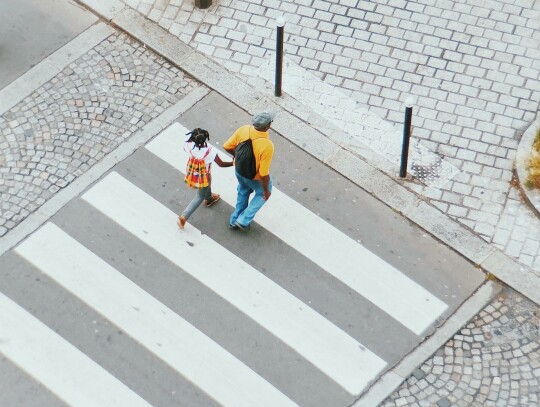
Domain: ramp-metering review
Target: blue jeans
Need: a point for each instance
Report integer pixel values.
(245, 210)
(201, 195)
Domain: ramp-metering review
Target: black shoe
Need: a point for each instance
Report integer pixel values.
(242, 227)
(233, 227)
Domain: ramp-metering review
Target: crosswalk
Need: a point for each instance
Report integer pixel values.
(159, 329)
(389, 289)
(57, 364)
(343, 364)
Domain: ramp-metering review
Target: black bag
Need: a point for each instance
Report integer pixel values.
(244, 159)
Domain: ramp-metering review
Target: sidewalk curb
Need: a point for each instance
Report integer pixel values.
(391, 380)
(390, 191)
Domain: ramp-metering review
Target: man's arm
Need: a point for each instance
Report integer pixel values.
(264, 168)
(265, 180)
(222, 163)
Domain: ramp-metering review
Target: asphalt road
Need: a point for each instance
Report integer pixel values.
(33, 29)
(28, 280)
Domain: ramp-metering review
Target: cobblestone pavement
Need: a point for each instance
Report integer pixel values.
(493, 361)
(473, 66)
(66, 126)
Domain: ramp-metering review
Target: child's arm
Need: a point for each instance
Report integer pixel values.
(222, 163)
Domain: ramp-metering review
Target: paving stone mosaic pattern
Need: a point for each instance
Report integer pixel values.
(72, 122)
(473, 65)
(492, 361)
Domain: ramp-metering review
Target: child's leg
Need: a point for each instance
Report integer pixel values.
(200, 196)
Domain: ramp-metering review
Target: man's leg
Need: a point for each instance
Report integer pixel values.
(245, 218)
(242, 199)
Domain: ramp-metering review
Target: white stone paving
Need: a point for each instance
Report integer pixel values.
(359, 128)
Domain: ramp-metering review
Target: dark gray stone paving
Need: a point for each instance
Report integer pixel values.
(66, 126)
(493, 361)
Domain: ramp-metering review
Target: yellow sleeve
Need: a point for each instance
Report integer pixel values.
(231, 143)
(234, 140)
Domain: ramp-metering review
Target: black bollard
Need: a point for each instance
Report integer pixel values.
(203, 3)
(279, 55)
(406, 137)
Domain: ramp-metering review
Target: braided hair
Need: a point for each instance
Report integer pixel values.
(199, 137)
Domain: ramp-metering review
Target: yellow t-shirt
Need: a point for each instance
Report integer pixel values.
(263, 148)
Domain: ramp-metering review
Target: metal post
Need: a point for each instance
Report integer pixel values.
(203, 3)
(406, 137)
(279, 55)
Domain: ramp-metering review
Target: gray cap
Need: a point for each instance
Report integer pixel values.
(262, 119)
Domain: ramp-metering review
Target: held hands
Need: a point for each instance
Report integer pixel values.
(222, 163)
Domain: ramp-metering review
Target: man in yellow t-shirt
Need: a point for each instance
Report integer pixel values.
(261, 184)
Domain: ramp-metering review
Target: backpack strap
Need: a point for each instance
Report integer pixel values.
(205, 154)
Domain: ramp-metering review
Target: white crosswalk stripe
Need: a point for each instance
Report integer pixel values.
(370, 276)
(57, 364)
(337, 354)
(151, 323)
